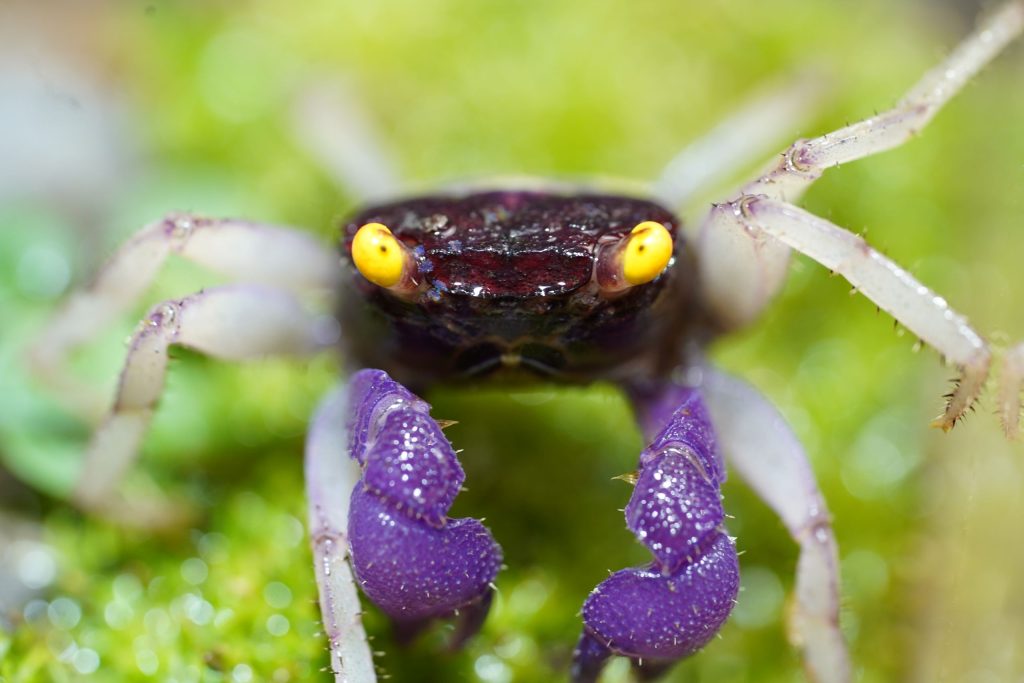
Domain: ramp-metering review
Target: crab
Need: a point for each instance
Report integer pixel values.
(520, 282)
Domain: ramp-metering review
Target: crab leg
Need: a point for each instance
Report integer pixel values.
(747, 135)
(244, 252)
(415, 563)
(740, 268)
(806, 160)
(759, 445)
(1010, 383)
(235, 322)
(893, 289)
(336, 131)
(330, 479)
(669, 609)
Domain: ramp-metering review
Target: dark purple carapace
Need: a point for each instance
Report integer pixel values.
(507, 283)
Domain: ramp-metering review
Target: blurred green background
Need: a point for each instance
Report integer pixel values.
(147, 107)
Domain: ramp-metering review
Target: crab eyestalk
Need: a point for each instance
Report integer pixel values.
(637, 258)
(382, 259)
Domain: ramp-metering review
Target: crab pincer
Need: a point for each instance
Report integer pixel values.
(669, 609)
(415, 563)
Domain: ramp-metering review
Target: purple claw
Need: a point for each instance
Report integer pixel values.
(675, 509)
(644, 614)
(415, 571)
(467, 622)
(588, 659)
(410, 558)
(670, 609)
(372, 394)
(470, 619)
(411, 465)
(674, 416)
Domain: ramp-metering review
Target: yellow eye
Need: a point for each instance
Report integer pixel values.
(647, 253)
(378, 255)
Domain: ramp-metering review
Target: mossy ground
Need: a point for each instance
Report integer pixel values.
(568, 88)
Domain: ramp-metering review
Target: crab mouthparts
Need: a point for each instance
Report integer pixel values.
(491, 357)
